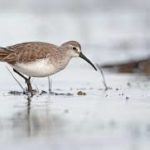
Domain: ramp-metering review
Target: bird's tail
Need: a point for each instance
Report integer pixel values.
(3, 53)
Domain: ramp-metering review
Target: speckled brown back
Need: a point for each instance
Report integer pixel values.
(27, 52)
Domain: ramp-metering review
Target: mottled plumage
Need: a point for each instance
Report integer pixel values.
(27, 52)
(39, 59)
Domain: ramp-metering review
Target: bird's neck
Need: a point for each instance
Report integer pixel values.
(62, 60)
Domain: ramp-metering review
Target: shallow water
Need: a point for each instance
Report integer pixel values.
(114, 119)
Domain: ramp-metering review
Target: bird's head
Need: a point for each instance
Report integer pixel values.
(74, 50)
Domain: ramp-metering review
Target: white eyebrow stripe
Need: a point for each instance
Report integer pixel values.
(78, 49)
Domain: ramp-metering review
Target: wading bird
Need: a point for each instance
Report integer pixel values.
(39, 59)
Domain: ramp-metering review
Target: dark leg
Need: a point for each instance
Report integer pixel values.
(49, 85)
(27, 80)
(20, 74)
(29, 85)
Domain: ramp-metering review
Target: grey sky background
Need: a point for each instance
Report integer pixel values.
(99, 24)
(74, 6)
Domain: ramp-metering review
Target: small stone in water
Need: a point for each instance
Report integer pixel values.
(81, 93)
(127, 97)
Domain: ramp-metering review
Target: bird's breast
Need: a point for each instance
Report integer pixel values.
(38, 68)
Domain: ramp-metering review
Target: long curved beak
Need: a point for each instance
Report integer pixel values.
(87, 60)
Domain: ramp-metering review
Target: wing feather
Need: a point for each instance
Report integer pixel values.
(28, 52)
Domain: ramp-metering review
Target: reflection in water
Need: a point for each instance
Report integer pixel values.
(31, 120)
(135, 137)
(60, 118)
(28, 116)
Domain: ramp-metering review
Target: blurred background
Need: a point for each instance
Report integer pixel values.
(103, 27)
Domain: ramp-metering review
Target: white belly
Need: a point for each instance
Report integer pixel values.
(39, 68)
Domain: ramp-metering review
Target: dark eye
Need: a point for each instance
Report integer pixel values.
(74, 48)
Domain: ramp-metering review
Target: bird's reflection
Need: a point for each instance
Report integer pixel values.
(28, 116)
(34, 120)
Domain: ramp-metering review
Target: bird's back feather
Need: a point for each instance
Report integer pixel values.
(27, 52)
